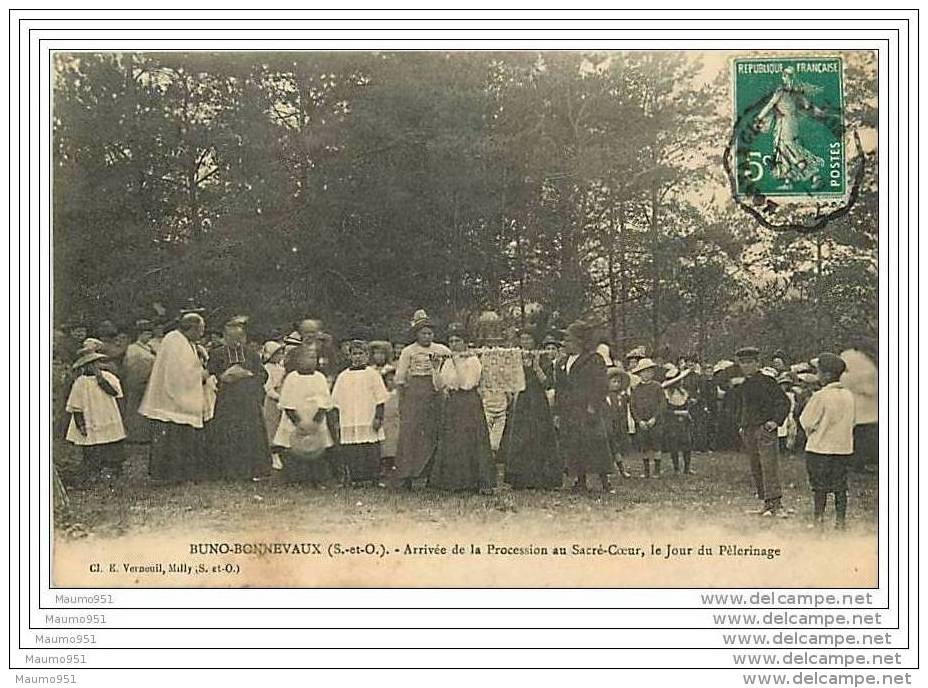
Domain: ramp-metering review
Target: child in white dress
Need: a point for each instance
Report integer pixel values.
(391, 421)
(96, 423)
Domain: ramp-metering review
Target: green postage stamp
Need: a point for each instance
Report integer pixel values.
(789, 127)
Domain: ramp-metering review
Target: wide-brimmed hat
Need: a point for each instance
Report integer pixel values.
(769, 372)
(674, 376)
(270, 348)
(721, 366)
(643, 364)
(605, 353)
(625, 380)
(85, 356)
(237, 321)
(308, 441)
(293, 339)
(637, 352)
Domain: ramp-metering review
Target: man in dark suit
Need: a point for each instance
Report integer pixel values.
(763, 409)
(582, 386)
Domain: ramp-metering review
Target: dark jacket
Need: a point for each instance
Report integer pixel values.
(647, 400)
(762, 400)
(583, 435)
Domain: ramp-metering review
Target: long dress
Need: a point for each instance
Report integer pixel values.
(419, 409)
(463, 459)
(136, 369)
(237, 439)
(271, 411)
(529, 447)
(582, 388)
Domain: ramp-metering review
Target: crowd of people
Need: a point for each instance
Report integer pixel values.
(554, 410)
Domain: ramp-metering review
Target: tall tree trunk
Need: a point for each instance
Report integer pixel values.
(613, 287)
(623, 276)
(655, 275)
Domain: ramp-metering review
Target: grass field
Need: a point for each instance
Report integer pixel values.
(141, 523)
(719, 494)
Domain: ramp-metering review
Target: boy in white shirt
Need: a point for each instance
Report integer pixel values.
(828, 420)
(359, 395)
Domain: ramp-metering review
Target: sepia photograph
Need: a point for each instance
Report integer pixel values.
(465, 319)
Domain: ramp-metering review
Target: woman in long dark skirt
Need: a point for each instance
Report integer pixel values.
(579, 403)
(529, 448)
(463, 459)
(419, 401)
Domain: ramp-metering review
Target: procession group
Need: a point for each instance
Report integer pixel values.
(555, 411)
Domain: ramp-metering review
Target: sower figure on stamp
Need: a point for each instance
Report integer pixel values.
(763, 409)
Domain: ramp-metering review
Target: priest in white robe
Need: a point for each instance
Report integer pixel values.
(175, 402)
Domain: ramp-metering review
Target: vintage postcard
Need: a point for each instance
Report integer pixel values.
(472, 319)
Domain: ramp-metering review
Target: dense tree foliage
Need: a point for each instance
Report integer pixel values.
(360, 186)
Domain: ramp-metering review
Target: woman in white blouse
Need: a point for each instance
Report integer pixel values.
(419, 406)
(463, 460)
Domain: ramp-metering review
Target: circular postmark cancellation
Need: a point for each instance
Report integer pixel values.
(786, 160)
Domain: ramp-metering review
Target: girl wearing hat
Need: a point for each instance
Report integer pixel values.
(463, 459)
(273, 355)
(617, 403)
(529, 447)
(391, 422)
(677, 424)
(96, 424)
(580, 403)
(647, 403)
(416, 379)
